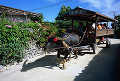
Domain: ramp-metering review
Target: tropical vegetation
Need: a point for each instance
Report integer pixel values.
(117, 31)
(14, 35)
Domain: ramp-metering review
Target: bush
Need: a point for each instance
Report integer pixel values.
(14, 37)
(42, 33)
(31, 24)
(13, 40)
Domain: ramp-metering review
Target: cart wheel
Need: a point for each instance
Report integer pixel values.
(80, 53)
(99, 43)
(94, 47)
(108, 43)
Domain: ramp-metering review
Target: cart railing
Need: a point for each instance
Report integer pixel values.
(103, 32)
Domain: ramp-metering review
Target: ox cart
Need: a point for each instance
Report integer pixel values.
(76, 41)
(91, 37)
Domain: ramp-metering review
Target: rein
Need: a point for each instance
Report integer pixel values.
(81, 38)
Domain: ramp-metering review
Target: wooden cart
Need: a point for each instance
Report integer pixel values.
(91, 40)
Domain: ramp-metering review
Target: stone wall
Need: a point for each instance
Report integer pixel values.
(33, 50)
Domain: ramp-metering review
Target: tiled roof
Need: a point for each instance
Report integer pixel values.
(85, 14)
(14, 11)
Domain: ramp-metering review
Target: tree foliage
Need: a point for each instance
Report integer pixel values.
(64, 9)
(60, 23)
(38, 18)
(117, 32)
(65, 23)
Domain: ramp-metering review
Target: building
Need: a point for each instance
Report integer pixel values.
(17, 14)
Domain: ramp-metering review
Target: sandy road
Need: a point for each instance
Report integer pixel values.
(103, 66)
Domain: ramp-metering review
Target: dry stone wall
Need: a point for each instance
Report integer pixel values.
(33, 50)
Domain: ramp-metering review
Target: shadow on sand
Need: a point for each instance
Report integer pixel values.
(104, 67)
(48, 61)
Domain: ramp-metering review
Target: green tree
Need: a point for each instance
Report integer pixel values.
(65, 23)
(60, 19)
(117, 31)
(64, 9)
(38, 18)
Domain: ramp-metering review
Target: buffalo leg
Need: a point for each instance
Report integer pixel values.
(58, 57)
(59, 60)
(63, 62)
(76, 54)
(69, 57)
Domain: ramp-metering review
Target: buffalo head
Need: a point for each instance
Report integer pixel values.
(54, 43)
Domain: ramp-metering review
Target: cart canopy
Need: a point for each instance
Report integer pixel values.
(87, 15)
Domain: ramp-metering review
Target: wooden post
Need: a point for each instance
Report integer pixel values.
(107, 24)
(114, 26)
(96, 28)
(107, 27)
(72, 24)
(26, 18)
(87, 30)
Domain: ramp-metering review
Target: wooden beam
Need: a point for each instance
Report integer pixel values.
(96, 21)
(72, 24)
(87, 29)
(107, 24)
(114, 26)
(15, 11)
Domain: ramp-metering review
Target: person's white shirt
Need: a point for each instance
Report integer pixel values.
(93, 25)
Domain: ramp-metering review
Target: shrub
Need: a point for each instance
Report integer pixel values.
(12, 42)
(41, 34)
(38, 18)
(14, 37)
(31, 24)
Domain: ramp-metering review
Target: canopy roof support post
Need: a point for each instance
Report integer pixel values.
(96, 21)
(72, 24)
(107, 24)
(107, 27)
(114, 25)
(87, 29)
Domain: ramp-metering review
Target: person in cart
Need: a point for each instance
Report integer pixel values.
(99, 26)
(92, 27)
(103, 27)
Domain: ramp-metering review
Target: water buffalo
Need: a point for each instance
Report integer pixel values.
(62, 44)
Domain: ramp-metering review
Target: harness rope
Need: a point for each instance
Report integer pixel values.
(81, 38)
